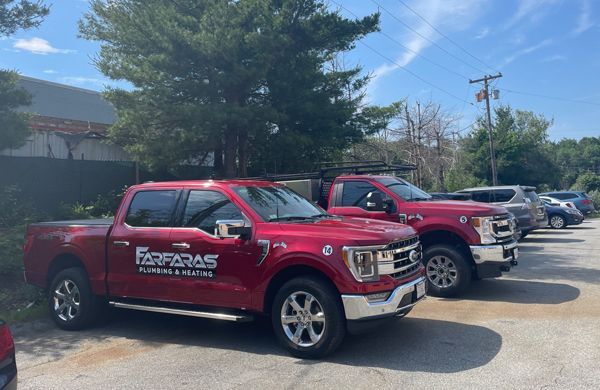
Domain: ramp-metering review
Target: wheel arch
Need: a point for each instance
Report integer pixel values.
(62, 262)
(447, 237)
(288, 273)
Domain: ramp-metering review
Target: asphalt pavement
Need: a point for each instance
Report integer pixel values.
(536, 327)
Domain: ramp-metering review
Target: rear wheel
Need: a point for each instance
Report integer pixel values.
(308, 318)
(558, 222)
(447, 269)
(72, 304)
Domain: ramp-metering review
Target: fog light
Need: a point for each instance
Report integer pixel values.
(378, 297)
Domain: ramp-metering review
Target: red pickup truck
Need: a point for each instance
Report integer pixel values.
(461, 240)
(230, 250)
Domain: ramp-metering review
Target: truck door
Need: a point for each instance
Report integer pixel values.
(224, 269)
(138, 242)
(353, 198)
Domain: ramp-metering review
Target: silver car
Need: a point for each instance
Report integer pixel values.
(522, 201)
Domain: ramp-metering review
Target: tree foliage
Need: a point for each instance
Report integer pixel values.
(244, 81)
(23, 14)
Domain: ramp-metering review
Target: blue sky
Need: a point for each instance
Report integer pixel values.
(542, 47)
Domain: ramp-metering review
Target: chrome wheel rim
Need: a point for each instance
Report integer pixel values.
(442, 272)
(303, 319)
(557, 222)
(66, 300)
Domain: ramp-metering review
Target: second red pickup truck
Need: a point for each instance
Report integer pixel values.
(230, 250)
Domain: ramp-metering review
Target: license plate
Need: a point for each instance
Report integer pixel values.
(516, 253)
(420, 289)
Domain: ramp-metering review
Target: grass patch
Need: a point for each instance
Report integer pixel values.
(37, 310)
(19, 302)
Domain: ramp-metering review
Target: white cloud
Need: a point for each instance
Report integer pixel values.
(37, 45)
(534, 10)
(50, 71)
(554, 58)
(447, 15)
(584, 22)
(527, 50)
(484, 32)
(83, 81)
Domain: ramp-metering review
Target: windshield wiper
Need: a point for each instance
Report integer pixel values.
(322, 216)
(290, 218)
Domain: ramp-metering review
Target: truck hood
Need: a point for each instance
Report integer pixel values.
(357, 231)
(468, 208)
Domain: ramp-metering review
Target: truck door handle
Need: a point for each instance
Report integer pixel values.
(121, 243)
(180, 245)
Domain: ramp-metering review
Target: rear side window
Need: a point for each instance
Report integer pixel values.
(151, 209)
(503, 196)
(562, 195)
(480, 196)
(205, 208)
(532, 196)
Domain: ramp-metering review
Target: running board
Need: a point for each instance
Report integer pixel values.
(182, 312)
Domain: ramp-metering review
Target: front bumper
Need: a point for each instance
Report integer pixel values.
(403, 298)
(574, 219)
(492, 260)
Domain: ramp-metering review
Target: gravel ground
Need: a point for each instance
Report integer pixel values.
(536, 327)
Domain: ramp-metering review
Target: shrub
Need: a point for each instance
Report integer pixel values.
(587, 182)
(11, 249)
(15, 208)
(595, 195)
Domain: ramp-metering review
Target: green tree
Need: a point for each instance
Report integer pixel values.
(523, 152)
(245, 81)
(13, 125)
(587, 182)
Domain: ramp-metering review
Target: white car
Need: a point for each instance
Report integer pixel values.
(557, 202)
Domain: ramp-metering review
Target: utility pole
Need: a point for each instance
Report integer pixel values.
(486, 94)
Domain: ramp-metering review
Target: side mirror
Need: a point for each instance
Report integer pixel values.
(375, 202)
(232, 228)
(388, 206)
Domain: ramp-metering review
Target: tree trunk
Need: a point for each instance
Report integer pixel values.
(243, 152)
(230, 153)
(218, 156)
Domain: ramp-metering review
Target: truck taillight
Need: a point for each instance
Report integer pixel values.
(7, 346)
(28, 243)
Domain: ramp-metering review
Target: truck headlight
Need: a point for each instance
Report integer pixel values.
(362, 263)
(483, 226)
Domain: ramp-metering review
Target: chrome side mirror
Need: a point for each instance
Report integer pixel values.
(232, 228)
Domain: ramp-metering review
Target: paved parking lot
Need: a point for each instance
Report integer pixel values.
(536, 327)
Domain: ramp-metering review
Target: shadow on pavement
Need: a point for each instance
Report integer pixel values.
(553, 240)
(409, 344)
(521, 291)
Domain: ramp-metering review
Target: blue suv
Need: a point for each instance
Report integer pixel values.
(581, 200)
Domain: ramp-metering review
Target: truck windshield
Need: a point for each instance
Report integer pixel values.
(404, 189)
(279, 203)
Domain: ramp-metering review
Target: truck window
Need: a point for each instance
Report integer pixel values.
(355, 193)
(503, 196)
(204, 208)
(151, 209)
(481, 196)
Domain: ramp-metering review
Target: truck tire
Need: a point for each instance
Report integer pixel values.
(308, 317)
(448, 271)
(72, 304)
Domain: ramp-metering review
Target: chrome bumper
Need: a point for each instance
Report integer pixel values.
(357, 307)
(495, 253)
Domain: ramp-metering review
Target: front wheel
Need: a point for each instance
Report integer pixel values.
(308, 318)
(557, 222)
(448, 271)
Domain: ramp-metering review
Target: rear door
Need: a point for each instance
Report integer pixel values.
(138, 242)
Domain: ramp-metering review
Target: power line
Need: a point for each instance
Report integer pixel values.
(391, 38)
(447, 37)
(413, 73)
(427, 39)
(550, 97)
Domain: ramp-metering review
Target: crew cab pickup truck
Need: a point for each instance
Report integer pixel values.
(230, 250)
(462, 240)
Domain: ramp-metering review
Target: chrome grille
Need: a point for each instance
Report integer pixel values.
(503, 226)
(395, 260)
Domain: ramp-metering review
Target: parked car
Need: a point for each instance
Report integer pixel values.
(556, 202)
(560, 217)
(580, 199)
(8, 365)
(230, 250)
(461, 240)
(449, 196)
(522, 201)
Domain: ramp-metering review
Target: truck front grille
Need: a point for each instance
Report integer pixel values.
(503, 226)
(396, 259)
